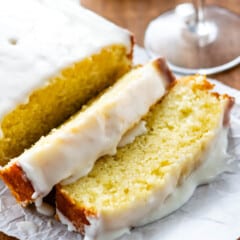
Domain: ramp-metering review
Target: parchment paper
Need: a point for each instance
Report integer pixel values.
(213, 213)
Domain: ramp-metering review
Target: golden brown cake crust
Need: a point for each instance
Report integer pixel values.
(162, 67)
(228, 108)
(19, 185)
(132, 39)
(76, 215)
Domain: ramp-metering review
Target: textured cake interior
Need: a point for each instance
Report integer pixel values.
(179, 128)
(49, 106)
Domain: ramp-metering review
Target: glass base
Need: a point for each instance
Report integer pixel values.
(208, 47)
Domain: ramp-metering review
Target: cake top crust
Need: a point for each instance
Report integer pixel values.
(39, 37)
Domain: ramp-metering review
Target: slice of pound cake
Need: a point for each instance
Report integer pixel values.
(54, 56)
(70, 151)
(184, 145)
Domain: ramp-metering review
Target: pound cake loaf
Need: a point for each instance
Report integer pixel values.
(54, 56)
(70, 151)
(184, 145)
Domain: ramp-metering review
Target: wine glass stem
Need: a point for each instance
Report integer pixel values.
(199, 9)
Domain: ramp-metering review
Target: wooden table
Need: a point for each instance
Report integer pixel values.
(136, 14)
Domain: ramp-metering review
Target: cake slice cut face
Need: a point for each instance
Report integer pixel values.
(70, 151)
(54, 57)
(186, 130)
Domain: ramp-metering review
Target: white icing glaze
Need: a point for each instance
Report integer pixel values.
(131, 134)
(42, 207)
(45, 209)
(41, 37)
(168, 200)
(65, 221)
(70, 152)
(96, 224)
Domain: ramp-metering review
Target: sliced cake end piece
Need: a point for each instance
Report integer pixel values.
(70, 151)
(185, 131)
